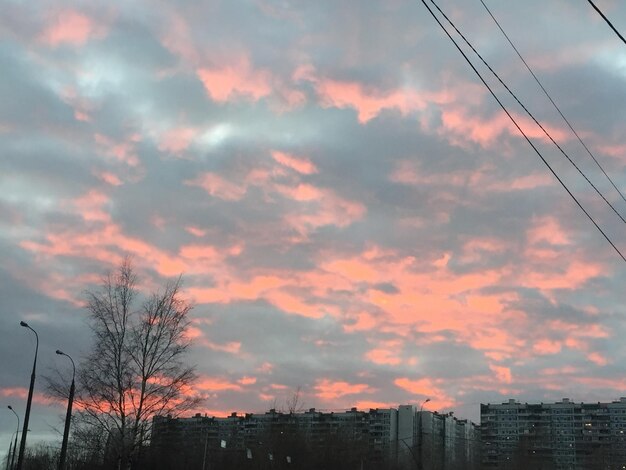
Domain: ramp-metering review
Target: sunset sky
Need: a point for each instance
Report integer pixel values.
(351, 211)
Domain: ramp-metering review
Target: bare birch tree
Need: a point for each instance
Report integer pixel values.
(135, 369)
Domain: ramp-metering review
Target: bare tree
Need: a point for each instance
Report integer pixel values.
(135, 369)
(294, 403)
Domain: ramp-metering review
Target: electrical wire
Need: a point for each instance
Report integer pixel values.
(551, 100)
(529, 113)
(607, 21)
(521, 131)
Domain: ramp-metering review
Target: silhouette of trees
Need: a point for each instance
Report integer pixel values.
(135, 369)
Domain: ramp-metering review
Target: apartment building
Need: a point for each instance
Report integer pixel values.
(403, 438)
(352, 435)
(432, 440)
(562, 435)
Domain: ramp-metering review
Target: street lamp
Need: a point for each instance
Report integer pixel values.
(419, 436)
(17, 431)
(20, 458)
(68, 416)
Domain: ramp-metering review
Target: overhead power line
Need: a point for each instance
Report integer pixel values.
(552, 101)
(506, 111)
(545, 131)
(607, 20)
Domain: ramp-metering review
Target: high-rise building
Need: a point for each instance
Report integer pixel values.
(367, 436)
(387, 438)
(432, 440)
(561, 436)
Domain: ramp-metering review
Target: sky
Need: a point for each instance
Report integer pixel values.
(351, 211)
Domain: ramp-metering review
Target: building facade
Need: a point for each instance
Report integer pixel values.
(562, 435)
(361, 439)
(388, 438)
(435, 441)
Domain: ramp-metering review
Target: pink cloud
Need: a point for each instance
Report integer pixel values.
(233, 80)
(82, 116)
(195, 231)
(70, 27)
(545, 346)
(458, 123)
(204, 252)
(363, 321)
(218, 187)
(477, 248)
(91, 206)
(289, 99)
(110, 178)
(566, 370)
(327, 389)
(578, 336)
(194, 333)
(304, 72)
(83, 107)
(443, 301)
(103, 240)
(370, 404)
(426, 388)
(279, 387)
(176, 140)
(315, 206)
(462, 126)
(265, 368)
(594, 383)
(574, 275)
(385, 355)
(547, 230)
(22, 393)
(437, 292)
(323, 207)
(216, 384)
(120, 151)
(247, 380)
(177, 38)
(234, 289)
(503, 374)
(232, 347)
(286, 290)
(598, 359)
(407, 172)
(617, 151)
(294, 303)
(523, 183)
(299, 164)
(367, 102)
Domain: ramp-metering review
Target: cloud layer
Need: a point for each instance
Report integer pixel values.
(351, 211)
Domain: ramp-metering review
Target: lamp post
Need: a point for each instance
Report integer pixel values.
(420, 436)
(17, 431)
(410, 449)
(20, 458)
(68, 416)
(8, 467)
